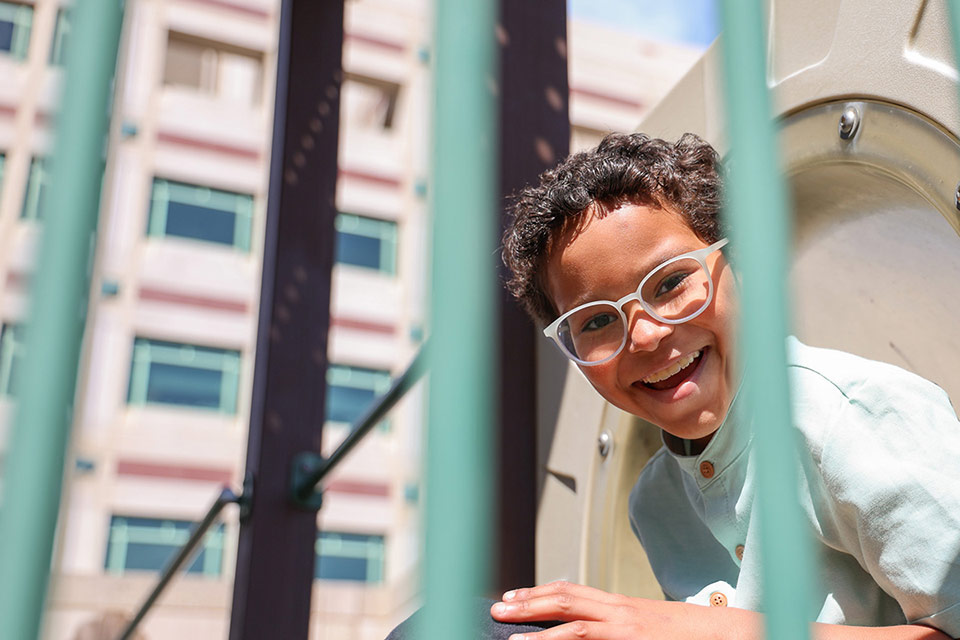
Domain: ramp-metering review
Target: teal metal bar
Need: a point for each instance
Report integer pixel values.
(759, 217)
(462, 316)
(35, 458)
(954, 13)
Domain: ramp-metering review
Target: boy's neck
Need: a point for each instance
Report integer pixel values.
(684, 447)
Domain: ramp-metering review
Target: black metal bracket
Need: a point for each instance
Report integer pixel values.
(302, 492)
(245, 499)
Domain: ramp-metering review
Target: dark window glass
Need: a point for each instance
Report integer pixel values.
(6, 35)
(358, 250)
(174, 384)
(351, 391)
(15, 24)
(346, 404)
(200, 223)
(336, 568)
(148, 544)
(349, 556)
(154, 557)
(184, 375)
(200, 213)
(366, 242)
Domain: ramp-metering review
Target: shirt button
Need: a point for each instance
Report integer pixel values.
(739, 552)
(717, 599)
(706, 469)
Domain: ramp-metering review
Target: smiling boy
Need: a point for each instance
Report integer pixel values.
(619, 252)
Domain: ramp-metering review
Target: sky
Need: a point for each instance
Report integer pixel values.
(694, 22)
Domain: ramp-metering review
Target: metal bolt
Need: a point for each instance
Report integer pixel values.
(604, 443)
(849, 123)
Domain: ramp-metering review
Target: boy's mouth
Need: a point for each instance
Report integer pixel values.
(676, 373)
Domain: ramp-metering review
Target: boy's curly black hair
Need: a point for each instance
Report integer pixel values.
(683, 177)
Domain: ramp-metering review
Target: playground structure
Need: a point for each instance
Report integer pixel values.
(849, 122)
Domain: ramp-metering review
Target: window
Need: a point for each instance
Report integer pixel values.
(38, 182)
(349, 556)
(351, 391)
(369, 103)
(15, 23)
(184, 375)
(148, 544)
(213, 68)
(61, 33)
(11, 355)
(200, 213)
(366, 242)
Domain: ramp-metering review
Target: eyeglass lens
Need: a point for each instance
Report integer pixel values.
(675, 291)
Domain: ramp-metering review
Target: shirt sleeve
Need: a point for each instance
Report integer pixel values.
(890, 472)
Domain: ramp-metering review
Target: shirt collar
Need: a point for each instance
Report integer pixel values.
(730, 440)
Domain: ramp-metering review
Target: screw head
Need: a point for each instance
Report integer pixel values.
(604, 443)
(849, 122)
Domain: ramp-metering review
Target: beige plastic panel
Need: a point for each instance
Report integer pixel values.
(877, 264)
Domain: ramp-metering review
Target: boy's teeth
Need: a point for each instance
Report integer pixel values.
(672, 370)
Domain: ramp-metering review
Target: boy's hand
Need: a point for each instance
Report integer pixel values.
(594, 614)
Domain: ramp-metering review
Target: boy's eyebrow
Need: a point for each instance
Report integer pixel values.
(654, 260)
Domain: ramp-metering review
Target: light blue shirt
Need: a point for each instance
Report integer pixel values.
(880, 487)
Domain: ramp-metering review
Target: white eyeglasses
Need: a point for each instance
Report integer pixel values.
(678, 290)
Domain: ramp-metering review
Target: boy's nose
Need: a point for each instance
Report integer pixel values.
(645, 331)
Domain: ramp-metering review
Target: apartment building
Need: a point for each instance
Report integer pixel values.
(163, 396)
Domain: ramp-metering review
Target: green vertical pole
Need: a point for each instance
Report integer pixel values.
(760, 222)
(462, 312)
(35, 458)
(954, 12)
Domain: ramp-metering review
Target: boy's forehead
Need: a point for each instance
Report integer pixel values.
(604, 251)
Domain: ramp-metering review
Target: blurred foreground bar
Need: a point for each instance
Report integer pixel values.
(759, 218)
(41, 428)
(462, 347)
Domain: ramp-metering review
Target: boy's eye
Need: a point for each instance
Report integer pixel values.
(671, 282)
(597, 322)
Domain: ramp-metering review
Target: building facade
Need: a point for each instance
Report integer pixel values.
(162, 404)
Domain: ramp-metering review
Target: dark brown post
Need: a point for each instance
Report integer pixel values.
(534, 136)
(274, 575)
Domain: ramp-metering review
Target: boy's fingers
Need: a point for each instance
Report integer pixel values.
(553, 606)
(559, 587)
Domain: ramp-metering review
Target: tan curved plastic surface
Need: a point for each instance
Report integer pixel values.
(877, 261)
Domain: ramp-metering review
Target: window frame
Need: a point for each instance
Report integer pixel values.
(61, 33)
(170, 532)
(3, 162)
(372, 549)
(389, 90)
(161, 193)
(11, 352)
(339, 375)
(38, 181)
(387, 232)
(211, 68)
(144, 355)
(21, 16)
